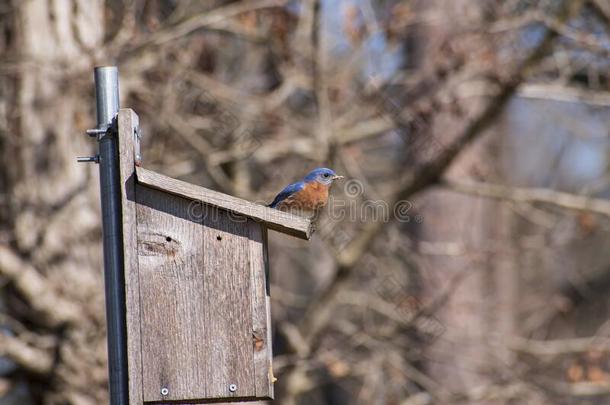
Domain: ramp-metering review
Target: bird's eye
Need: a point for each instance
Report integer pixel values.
(326, 175)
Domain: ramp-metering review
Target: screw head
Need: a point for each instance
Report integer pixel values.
(232, 387)
(164, 391)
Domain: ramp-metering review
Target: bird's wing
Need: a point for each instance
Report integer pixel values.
(287, 192)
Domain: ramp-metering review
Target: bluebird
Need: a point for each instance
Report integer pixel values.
(309, 194)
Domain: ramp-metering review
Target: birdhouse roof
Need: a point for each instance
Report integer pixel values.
(273, 219)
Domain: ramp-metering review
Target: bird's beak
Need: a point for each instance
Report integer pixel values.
(337, 177)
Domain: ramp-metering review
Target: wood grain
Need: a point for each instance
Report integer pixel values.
(272, 218)
(203, 299)
(127, 122)
(261, 320)
(229, 306)
(172, 297)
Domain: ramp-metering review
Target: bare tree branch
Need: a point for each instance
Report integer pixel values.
(39, 291)
(207, 19)
(554, 348)
(529, 195)
(319, 312)
(28, 357)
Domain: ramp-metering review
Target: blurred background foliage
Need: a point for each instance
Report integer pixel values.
(480, 125)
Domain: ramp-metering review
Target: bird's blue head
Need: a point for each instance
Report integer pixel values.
(322, 175)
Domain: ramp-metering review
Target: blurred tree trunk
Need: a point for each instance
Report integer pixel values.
(51, 262)
(480, 311)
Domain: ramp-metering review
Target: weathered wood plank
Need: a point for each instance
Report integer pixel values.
(175, 345)
(127, 122)
(228, 316)
(260, 314)
(272, 218)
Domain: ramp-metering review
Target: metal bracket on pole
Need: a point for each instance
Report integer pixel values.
(96, 132)
(107, 100)
(88, 159)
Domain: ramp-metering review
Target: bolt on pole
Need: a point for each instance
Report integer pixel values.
(107, 100)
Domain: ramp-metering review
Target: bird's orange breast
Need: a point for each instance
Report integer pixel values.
(313, 196)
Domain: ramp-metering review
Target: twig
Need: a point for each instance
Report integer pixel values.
(530, 195)
(27, 357)
(208, 18)
(554, 348)
(318, 314)
(38, 290)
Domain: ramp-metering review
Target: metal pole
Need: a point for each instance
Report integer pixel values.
(107, 98)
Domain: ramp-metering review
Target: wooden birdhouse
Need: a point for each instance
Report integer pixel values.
(196, 280)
